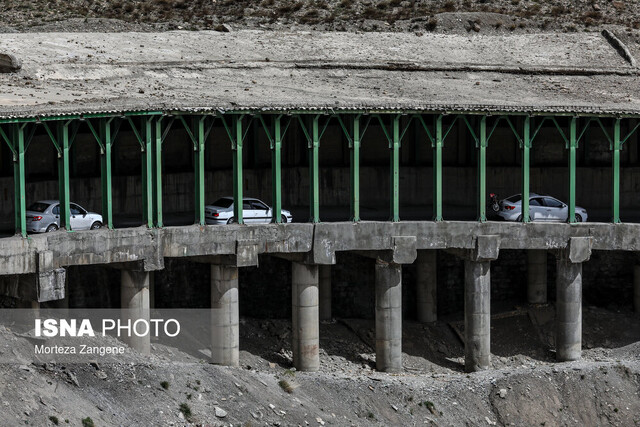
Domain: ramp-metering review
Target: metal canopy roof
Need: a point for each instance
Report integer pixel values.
(84, 73)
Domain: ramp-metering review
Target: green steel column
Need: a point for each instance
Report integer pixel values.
(355, 170)
(573, 143)
(314, 172)
(616, 172)
(198, 163)
(63, 176)
(157, 174)
(526, 146)
(147, 173)
(437, 171)
(395, 171)
(19, 179)
(237, 170)
(482, 171)
(105, 171)
(276, 173)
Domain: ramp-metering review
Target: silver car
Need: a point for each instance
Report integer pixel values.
(254, 211)
(541, 208)
(44, 216)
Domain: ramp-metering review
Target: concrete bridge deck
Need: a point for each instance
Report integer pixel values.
(318, 243)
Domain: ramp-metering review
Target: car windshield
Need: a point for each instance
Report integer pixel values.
(38, 207)
(223, 202)
(514, 199)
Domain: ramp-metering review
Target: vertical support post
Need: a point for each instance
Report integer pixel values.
(306, 324)
(395, 171)
(276, 173)
(437, 171)
(526, 146)
(325, 292)
(617, 146)
(482, 171)
(427, 289)
(147, 173)
(314, 172)
(105, 172)
(134, 303)
(573, 144)
(63, 176)
(198, 164)
(237, 170)
(355, 170)
(225, 315)
(636, 289)
(19, 180)
(568, 310)
(477, 315)
(157, 174)
(536, 276)
(388, 316)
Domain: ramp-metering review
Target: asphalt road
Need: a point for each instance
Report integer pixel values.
(335, 214)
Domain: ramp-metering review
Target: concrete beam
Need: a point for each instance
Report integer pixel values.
(305, 317)
(225, 315)
(134, 296)
(388, 316)
(477, 315)
(427, 286)
(537, 277)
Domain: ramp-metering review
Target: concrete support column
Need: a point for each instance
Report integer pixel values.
(636, 289)
(388, 316)
(477, 315)
(152, 289)
(225, 315)
(305, 322)
(427, 286)
(568, 310)
(134, 301)
(537, 277)
(325, 292)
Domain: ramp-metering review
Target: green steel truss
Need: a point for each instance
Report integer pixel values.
(152, 127)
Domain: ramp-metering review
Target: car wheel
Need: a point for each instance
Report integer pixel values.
(231, 220)
(96, 225)
(51, 228)
(284, 219)
(578, 218)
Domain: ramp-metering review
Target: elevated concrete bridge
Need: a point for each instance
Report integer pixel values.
(93, 87)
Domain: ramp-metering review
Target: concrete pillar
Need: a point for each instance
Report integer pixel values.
(152, 289)
(568, 310)
(427, 286)
(225, 315)
(537, 277)
(134, 301)
(388, 317)
(477, 315)
(325, 292)
(305, 313)
(636, 289)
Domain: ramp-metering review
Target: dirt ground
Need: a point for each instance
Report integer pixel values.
(331, 15)
(524, 387)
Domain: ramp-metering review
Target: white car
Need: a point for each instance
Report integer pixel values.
(541, 208)
(254, 211)
(44, 216)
